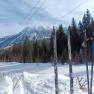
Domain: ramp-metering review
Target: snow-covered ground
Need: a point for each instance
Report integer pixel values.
(32, 78)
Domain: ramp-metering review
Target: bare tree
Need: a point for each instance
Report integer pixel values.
(92, 63)
(85, 59)
(70, 64)
(82, 83)
(55, 63)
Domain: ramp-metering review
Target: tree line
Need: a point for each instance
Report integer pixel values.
(42, 50)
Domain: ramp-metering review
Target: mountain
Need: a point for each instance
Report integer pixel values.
(29, 32)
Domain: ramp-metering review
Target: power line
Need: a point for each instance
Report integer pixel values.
(36, 11)
(33, 8)
(69, 12)
(28, 16)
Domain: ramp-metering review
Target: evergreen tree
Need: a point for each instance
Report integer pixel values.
(75, 38)
(51, 46)
(80, 31)
(17, 52)
(34, 49)
(26, 50)
(87, 20)
(61, 42)
(45, 51)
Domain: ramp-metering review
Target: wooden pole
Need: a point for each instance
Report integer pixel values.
(70, 65)
(55, 63)
(92, 63)
(86, 62)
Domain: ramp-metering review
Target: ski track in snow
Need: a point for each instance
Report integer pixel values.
(18, 78)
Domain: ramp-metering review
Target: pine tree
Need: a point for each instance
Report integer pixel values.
(17, 52)
(80, 31)
(26, 50)
(87, 19)
(45, 51)
(61, 42)
(51, 46)
(35, 49)
(75, 39)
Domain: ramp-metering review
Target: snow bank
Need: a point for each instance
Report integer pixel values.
(6, 85)
(18, 78)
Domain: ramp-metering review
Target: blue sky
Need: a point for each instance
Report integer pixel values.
(17, 14)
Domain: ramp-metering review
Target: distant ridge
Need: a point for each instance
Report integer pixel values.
(29, 32)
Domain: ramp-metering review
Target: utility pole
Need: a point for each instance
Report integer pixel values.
(55, 63)
(70, 65)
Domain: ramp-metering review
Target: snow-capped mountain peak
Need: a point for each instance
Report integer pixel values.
(39, 32)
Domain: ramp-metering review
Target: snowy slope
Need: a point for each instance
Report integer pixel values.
(29, 32)
(18, 78)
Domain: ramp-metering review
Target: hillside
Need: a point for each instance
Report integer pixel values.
(39, 32)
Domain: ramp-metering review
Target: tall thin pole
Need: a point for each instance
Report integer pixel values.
(85, 53)
(91, 80)
(92, 63)
(55, 64)
(70, 64)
